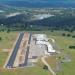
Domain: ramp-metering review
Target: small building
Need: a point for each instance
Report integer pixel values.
(50, 48)
(40, 37)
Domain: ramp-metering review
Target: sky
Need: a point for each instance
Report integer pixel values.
(46, 2)
(42, 0)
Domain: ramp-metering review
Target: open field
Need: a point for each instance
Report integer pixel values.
(3, 57)
(63, 44)
(6, 43)
(25, 71)
(51, 61)
(7, 39)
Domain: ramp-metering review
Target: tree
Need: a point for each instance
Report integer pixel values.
(0, 38)
(73, 36)
(63, 34)
(68, 35)
(45, 67)
(72, 47)
(8, 31)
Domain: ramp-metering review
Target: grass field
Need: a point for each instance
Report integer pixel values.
(7, 42)
(51, 61)
(3, 57)
(7, 39)
(25, 71)
(64, 42)
(68, 68)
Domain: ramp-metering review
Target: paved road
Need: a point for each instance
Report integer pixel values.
(27, 52)
(26, 57)
(14, 53)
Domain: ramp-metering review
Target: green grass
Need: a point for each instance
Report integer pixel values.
(25, 71)
(7, 42)
(7, 39)
(64, 42)
(50, 33)
(51, 60)
(68, 68)
(3, 57)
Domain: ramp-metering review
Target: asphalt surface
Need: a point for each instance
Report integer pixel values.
(27, 53)
(26, 57)
(14, 53)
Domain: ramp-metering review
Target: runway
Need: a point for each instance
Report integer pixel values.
(14, 53)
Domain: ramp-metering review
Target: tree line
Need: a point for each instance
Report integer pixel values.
(58, 22)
